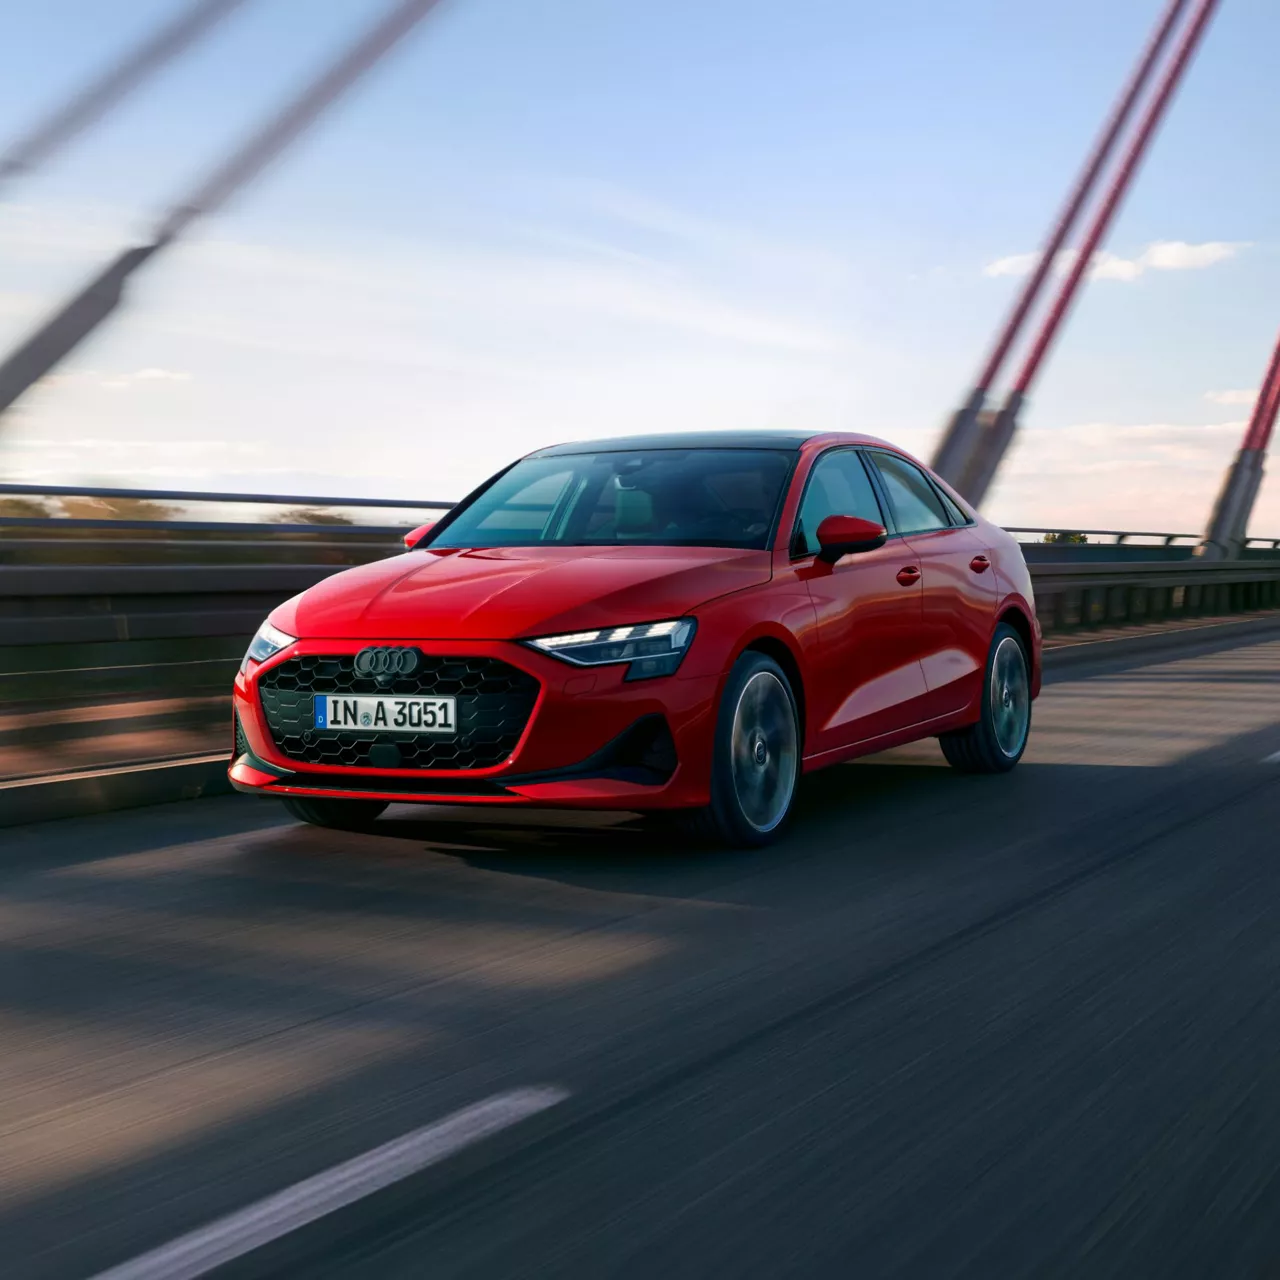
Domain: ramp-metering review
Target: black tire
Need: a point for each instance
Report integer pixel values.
(764, 813)
(339, 815)
(996, 742)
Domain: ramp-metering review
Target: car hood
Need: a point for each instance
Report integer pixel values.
(510, 593)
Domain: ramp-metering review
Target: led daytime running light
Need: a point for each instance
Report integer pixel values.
(619, 644)
(269, 640)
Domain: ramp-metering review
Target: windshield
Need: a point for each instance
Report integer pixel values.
(646, 498)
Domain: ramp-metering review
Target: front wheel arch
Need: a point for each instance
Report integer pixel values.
(782, 654)
(725, 820)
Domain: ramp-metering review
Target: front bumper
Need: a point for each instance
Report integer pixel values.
(579, 747)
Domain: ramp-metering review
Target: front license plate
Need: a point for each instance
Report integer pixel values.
(403, 715)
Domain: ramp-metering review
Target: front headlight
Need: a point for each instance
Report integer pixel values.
(269, 640)
(652, 648)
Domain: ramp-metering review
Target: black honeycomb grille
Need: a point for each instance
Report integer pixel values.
(495, 701)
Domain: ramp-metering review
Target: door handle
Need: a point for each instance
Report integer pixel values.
(909, 576)
(979, 564)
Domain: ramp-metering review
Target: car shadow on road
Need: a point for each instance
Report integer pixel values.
(836, 810)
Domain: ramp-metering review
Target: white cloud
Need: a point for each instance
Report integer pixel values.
(20, 305)
(1247, 396)
(1162, 255)
(124, 381)
(58, 232)
(1110, 266)
(1177, 255)
(91, 443)
(1159, 477)
(1016, 264)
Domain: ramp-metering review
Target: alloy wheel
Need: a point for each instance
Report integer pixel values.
(765, 759)
(1010, 696)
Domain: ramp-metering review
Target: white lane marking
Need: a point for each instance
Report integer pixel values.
(200, 1251)
(1275, 759)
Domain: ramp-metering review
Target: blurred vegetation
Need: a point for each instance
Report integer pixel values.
(24, 509)
(1065, 537)
(310, 515)
(116, 509)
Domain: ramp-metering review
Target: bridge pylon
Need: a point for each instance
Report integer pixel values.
(1227, 534)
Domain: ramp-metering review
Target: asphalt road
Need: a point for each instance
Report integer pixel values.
(950, 1027)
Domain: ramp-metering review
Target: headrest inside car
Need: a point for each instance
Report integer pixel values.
(634, 512)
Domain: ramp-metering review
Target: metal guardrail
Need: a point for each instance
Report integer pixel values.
(1118, 536)
(1070, 596)
(197, 495)
(1124, 538)
(84, 525)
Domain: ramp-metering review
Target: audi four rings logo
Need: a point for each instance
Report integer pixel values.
(386, 662)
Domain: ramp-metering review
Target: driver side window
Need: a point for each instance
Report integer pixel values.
(838, 486)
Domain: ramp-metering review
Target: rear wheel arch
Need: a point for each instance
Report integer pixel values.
(1014, 617)
(995, 742)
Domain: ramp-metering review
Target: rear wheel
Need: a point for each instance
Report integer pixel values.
(756, 764)
(341, 815)
(996, 743)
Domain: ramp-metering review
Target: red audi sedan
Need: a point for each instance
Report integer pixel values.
(678, 623)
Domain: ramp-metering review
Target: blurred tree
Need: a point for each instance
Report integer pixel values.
(1065, 537)
(116, 509)
(23, 509)
(311, 515)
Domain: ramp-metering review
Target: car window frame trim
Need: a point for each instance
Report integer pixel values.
(880, 482)
(873, 477)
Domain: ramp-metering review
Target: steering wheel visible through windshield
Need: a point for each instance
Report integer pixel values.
(649, 497)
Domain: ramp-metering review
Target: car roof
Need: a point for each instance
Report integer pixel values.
(759, 439)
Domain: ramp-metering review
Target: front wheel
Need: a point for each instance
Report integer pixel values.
(996, 743)
(340, 815)
(756, 764)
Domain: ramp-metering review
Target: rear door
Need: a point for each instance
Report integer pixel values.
(959, 587)
(868, 680)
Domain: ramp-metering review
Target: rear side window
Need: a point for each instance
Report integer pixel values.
(957, 516)
(917, 506)
(838, 486)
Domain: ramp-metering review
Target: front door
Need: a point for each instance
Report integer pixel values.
(867, 676)
(959, 604)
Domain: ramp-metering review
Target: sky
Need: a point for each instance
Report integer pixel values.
(557, 219)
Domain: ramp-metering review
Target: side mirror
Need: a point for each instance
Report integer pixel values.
(414, 536)
(847, 535)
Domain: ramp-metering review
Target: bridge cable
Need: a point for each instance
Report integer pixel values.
(101, 94)
(54, 340)
(996, 431)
